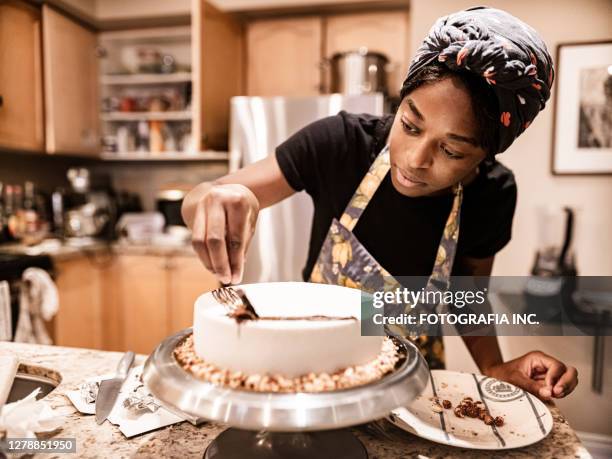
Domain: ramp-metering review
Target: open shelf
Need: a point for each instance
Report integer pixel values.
(146, 78)
(146, 116)
(166, 156)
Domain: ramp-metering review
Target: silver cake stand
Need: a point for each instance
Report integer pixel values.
(272, 425)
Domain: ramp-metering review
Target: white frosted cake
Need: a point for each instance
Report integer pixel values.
(301, 329)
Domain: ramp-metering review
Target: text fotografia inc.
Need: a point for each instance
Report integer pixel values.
(456, 319)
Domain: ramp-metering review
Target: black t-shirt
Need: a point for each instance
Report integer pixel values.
(328, 159)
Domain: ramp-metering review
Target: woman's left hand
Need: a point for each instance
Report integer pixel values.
(538, 373)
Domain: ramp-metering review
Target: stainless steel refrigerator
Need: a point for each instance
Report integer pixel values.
(258, 125)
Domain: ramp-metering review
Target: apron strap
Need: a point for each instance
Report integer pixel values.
(368, 186)
(441, 273)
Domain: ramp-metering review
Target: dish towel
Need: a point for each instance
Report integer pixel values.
(39, 302)
(6, 327)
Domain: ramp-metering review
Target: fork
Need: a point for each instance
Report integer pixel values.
(236, 301)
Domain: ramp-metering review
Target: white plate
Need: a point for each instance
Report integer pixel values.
(526, 419)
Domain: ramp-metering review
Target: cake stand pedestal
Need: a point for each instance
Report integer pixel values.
(281, 425)
(247, 444)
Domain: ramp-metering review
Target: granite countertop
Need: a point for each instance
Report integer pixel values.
(187, 441)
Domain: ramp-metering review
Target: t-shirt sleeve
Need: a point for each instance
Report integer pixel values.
(309, 155)
(495, 228)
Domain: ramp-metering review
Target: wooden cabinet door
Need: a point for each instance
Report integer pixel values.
(284, 57)
(21, 109)
(80, 318)
(71, 85)
(188, 280)
(384, 32)
(143, 292)
(218, 72)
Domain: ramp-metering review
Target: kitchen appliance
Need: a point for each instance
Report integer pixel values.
(358, 72)
(85, 221)
(292, 425)
(83, 212)
(549, 291)
(258, 125)
(140, 228)
(168, 202)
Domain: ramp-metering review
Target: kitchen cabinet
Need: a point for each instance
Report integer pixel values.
(143, 295)
(218, 64)
(284, 56)
(274, 68)
(80, 319)
(70, 85)
(188, 279)
(385, 32)
(21, 99)
(156, 296)
(118, 301)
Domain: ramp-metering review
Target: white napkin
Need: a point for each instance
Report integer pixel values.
(23, 418)
(131, 422)
(38, 300)
(6, 326)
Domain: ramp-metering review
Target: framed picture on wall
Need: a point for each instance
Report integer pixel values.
(582, 137)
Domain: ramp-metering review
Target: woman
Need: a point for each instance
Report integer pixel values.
(388, 192)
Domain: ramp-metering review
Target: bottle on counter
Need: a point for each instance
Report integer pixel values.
(9, 215)
(156, 137)
(143, 136)
(28, 196)
(57, 210)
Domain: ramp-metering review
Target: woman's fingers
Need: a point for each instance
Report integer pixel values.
(222, 228)
(566, 383)
(198, 240)
(555, 370)
(215, 240)
(529, 384)
(237, 214)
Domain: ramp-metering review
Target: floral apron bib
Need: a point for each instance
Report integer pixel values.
(344, 261)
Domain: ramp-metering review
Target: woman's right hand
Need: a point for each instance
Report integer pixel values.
(223, 225)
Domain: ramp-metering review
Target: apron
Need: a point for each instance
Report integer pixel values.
(344, 261)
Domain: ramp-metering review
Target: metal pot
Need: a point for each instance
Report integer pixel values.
(359, 72)
(84, 221)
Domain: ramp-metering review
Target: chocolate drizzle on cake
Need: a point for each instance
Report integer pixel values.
(310, 318)
(244, 312)
(236, 302)
(241, 309)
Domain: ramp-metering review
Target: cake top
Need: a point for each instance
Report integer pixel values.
(284, 303)
(239, 307)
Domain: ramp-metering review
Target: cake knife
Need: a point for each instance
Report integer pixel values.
(109, 388)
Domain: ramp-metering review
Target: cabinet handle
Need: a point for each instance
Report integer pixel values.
(100, 52)
(168, 265)
(1, 101)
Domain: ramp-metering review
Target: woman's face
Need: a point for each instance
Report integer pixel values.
(433, 139)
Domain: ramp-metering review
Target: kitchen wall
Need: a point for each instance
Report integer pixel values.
(149, 177)
(46, 171)
(529, 157)
(145, 178)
